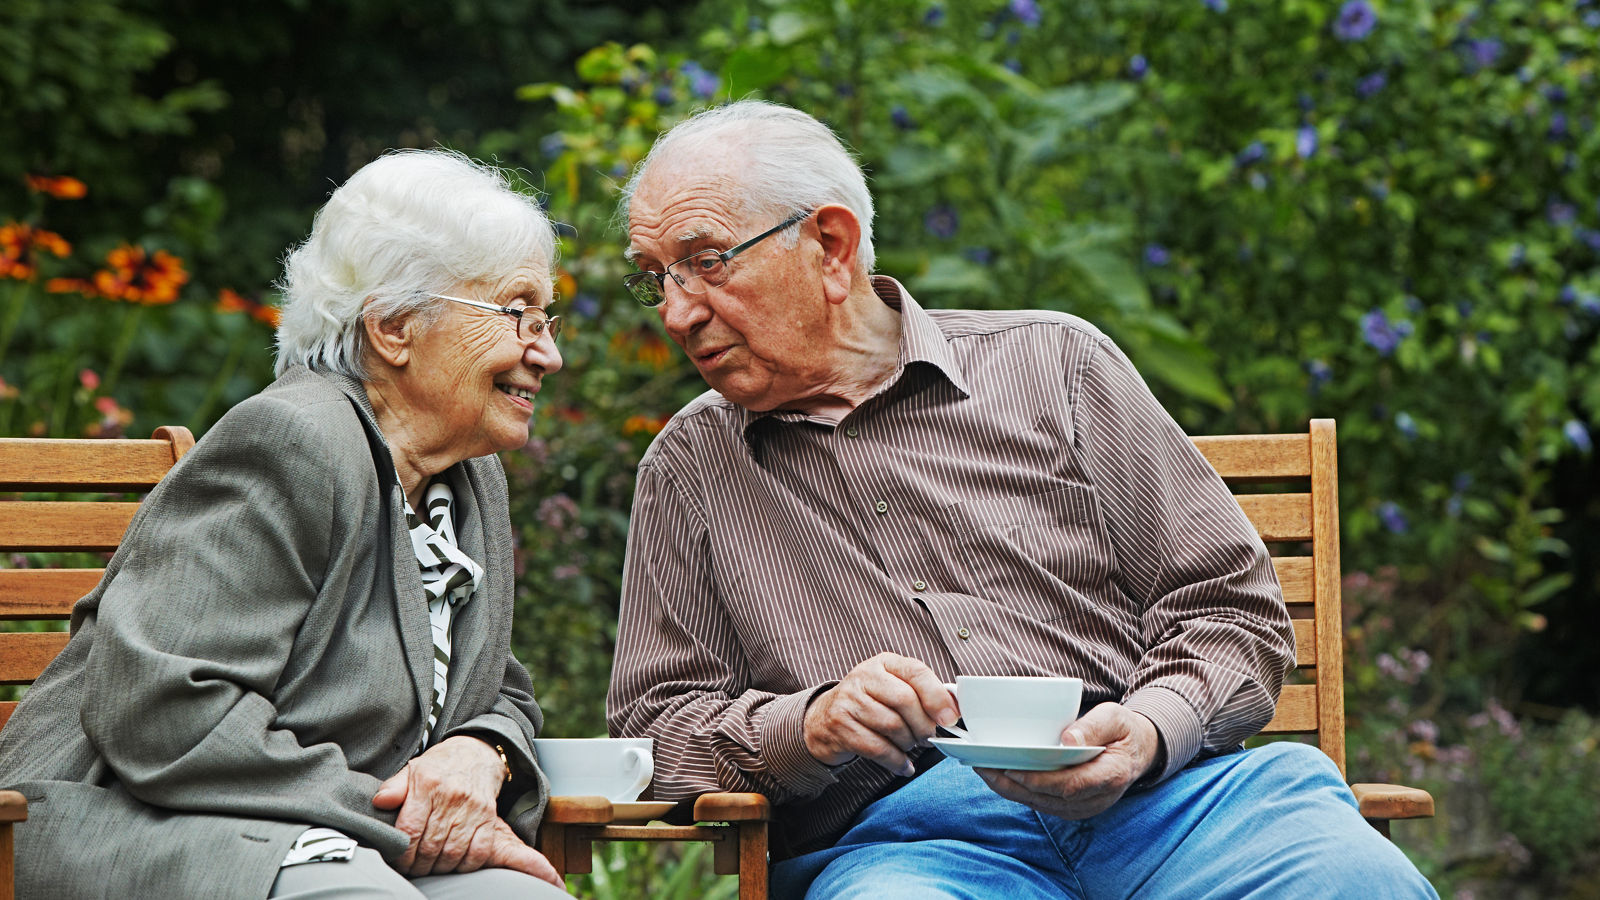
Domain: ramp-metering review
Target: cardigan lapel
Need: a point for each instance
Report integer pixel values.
(411, 607)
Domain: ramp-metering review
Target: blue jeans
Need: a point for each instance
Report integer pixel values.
(1274, 822)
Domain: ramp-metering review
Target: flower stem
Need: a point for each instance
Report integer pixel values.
(220, 383)
(13, 314)
(119, 355)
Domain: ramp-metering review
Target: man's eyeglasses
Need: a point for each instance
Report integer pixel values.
(532, 322)
(694, 272)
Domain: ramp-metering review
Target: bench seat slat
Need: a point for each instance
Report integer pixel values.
(58, 526)
(1296, 575)
(43, 593)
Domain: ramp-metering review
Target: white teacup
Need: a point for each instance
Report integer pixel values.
(617, 769)
(1016, 710)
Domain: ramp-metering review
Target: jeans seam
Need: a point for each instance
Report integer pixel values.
(1066, 864)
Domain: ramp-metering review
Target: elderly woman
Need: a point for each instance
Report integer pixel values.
(295, 678)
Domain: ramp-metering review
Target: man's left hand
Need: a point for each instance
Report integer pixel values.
(1078, 792)
(446, 797)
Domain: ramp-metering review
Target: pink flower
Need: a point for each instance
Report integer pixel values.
(89, 379)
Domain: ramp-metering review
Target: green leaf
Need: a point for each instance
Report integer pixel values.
(953, 274)
(789, 26)
(755, 69)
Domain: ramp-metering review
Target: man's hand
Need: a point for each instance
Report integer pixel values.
(1078, 792)
(446, 798)
(881, 710)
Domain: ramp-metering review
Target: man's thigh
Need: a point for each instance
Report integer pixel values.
(932, 870)
(1274, 822)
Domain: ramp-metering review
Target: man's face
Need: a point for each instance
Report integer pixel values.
(754, 338)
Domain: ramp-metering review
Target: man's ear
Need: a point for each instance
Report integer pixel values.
(390, 338)
(839, 231)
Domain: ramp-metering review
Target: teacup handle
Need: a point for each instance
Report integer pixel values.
(637, 758)
(955, 729)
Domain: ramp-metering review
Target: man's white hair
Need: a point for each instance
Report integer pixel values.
(786, 161)
(406, 226)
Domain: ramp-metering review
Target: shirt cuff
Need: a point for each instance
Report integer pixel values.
(1176, 722)
(783, 744)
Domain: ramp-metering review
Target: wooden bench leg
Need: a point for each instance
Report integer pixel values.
(752, 861)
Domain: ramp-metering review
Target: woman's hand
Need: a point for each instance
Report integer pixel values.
(446, 797)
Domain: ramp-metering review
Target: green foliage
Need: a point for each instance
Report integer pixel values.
(628, 870)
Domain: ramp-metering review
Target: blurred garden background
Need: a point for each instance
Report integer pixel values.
(1386, 213)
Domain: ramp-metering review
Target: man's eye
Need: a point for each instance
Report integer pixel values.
(708, 263)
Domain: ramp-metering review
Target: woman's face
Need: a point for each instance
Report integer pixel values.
(471, 377)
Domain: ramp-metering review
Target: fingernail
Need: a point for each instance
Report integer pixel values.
(907, 769)
(948, 718)
(1077, 737)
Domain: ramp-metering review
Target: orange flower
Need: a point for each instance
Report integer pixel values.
(7, 392)
(643, 424)
(566, 285)
(21, 245)
(61, 187)
(644, 346)
(70, 286)
(133, 276)
(229, 300)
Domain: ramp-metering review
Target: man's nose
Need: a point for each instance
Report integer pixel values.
(681, 312)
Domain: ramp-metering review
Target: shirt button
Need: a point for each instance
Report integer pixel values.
(882, 507)
(852, 431)
(963, 633)
(920, 585)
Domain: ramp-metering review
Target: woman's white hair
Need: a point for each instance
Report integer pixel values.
(406, 226)
(788, 161)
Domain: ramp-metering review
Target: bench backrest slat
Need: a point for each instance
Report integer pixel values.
(102, 469)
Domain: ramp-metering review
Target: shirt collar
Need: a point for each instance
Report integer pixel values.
(923, 346)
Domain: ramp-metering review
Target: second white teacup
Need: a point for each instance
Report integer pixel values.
(1017, 710)
(617, 769)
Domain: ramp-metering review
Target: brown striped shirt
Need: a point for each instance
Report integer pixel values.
(1014, 502)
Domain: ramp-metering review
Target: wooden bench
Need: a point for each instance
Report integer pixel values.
(1288, 486)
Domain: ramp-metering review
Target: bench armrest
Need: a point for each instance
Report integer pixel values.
(727, 807)
(13, 807)
(579, 811)
(1392, 801)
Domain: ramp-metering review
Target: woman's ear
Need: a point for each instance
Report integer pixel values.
(389, 338)
(839, 232)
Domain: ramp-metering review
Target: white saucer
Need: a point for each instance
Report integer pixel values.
(641, 811)
(1033, 759)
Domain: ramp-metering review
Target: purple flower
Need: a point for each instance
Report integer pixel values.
(1305, 141)
(1371, 84)
(1555, 93)
(1481, 54)
(942, 221)
(1568, 295)
(1558, 125)
(1026, 11)
(1413, 305)
(1013, 65)
(934, 17)
(1561, 212)
(551, 145)
(1406, 425)
(1321, 373)
(1156, 255)
(1578, 435)
(1382, 335)
(1592, 18)
(1138, 66)
(1589, 303)
(663, 95)
(1356, 20)
(586, 305)
(1393, 518)
(979, 255)
(902, 119)
(1464, 309)
(1590, 237)
(1253, 153)
(702, 83)
(1220, 6)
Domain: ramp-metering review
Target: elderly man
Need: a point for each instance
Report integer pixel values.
(875, 498)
